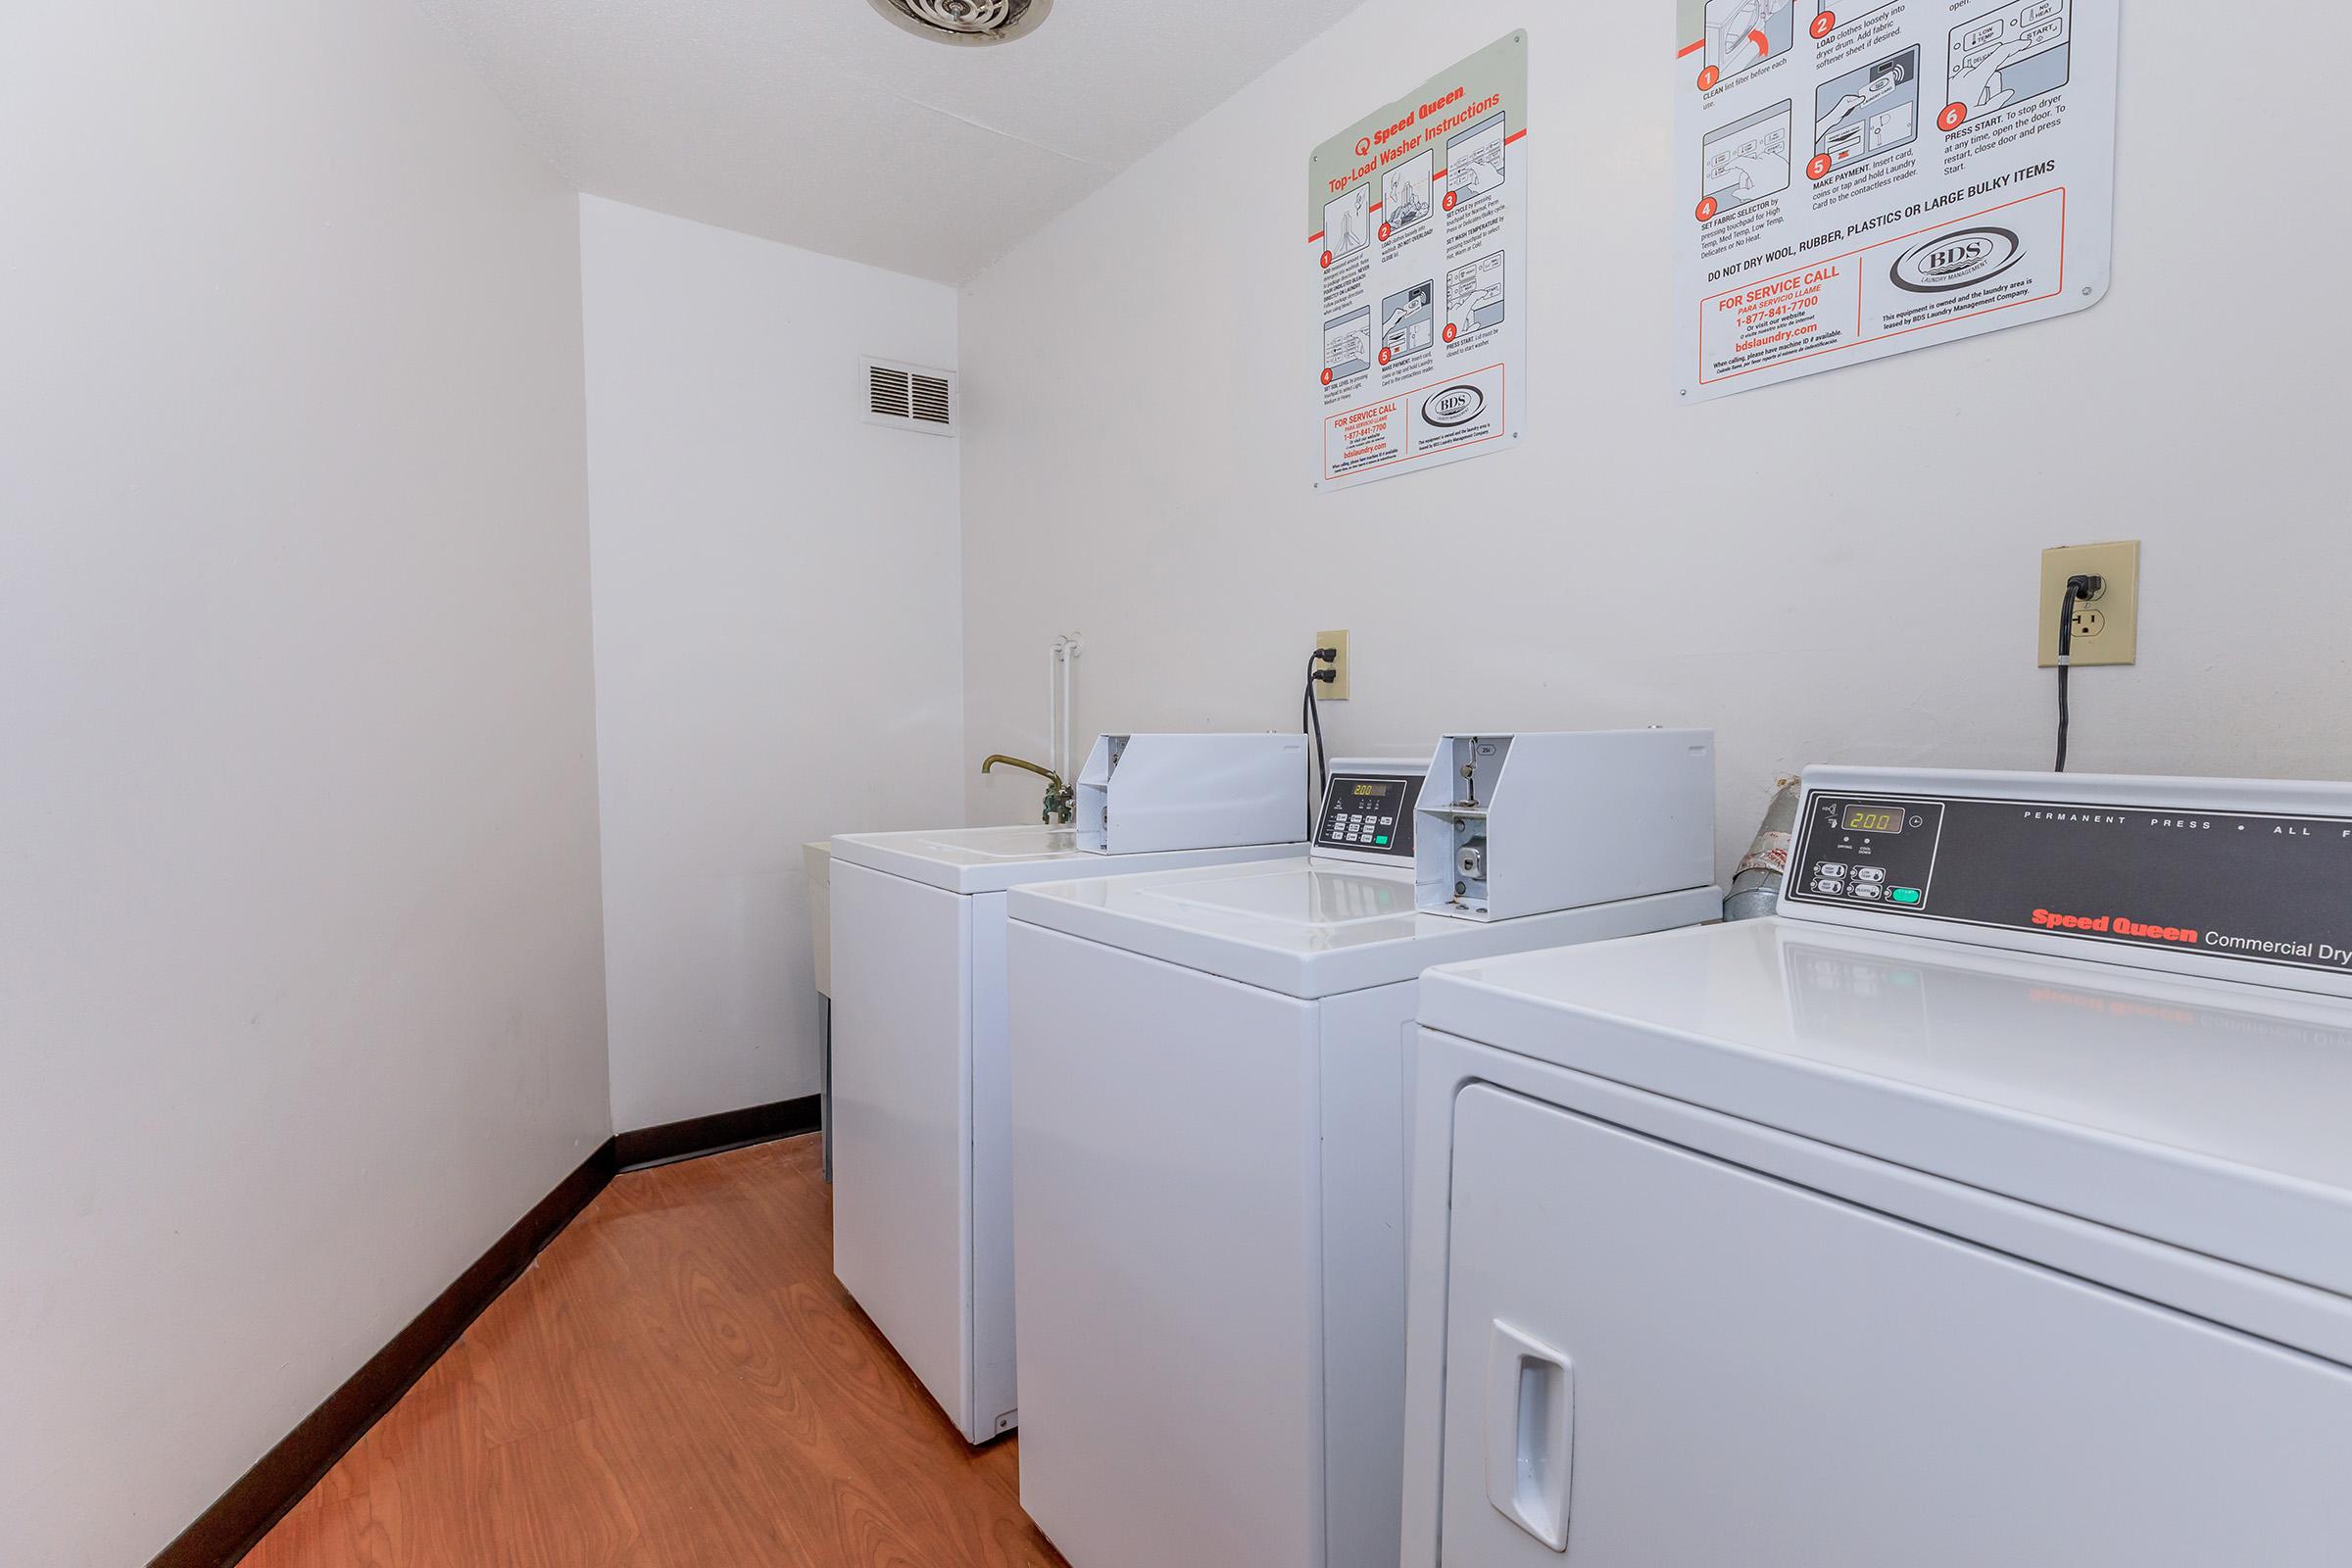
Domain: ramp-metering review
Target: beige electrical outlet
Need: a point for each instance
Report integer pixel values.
(1337, 691)
(2107, 625)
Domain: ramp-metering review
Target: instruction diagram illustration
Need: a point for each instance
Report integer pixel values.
(1749, 159)
(1411, 227)
(1408, 320)
(1474, 296)
(1405, 192)
(2006, 57)
(1831, 15)
(1743, 33)
(1348, 344)
(1474, 159)
(1914, 172)
(1866, 112)
(1347, 221)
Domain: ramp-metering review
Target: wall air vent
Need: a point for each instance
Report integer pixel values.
(911, 397)
(966, 22)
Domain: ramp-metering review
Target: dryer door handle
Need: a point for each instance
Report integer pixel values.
(1531, 1432)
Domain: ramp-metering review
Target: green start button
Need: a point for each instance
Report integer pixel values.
(1906, 896)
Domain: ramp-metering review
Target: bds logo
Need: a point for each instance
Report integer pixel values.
(1455, 406)
(1957, 260)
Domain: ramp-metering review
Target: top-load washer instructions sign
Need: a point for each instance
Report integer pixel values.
(1863, 177)
(1418, 226)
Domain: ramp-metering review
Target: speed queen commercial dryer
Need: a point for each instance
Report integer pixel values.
(922, 1229)
(1210, 1074)
(1993, 1205)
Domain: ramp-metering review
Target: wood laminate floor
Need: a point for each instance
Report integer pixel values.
(677, 1380)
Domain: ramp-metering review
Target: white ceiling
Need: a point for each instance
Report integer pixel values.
(819, 123)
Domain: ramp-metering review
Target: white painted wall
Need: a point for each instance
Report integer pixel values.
(778, 633)
(1843, 569)
(301, 993)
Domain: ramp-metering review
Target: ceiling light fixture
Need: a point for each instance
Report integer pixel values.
(966, 22)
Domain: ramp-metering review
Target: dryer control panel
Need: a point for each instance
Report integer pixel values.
(2193, 873)
(1368, 813)
(1872, 852)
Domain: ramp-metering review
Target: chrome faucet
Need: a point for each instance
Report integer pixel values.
(1061, 802)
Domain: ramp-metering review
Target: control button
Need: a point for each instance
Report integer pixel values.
(1869, 893)
(1907, 896)
(1829, 885)
(1874, 875)
(1830, 869)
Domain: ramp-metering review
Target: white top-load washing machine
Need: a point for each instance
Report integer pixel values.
(1992, 1203)
(922, 1229)
(1210, 1074)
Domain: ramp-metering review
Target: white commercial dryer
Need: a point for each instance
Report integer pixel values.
(1991, 1205)
(921, 1230)
(1210, 1074)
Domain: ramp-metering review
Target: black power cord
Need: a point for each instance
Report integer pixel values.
(2078, 588)
(1310, 722)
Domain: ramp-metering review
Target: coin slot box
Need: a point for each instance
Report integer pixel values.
(1148, 793)
(1511, 826)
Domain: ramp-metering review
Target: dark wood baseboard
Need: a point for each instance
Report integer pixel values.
(715, 1134)
(234, 1523)
(243, 1514)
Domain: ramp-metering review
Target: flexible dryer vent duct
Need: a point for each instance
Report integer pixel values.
(1756, 890)
(966, 22)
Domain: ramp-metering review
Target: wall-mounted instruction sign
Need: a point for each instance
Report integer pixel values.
(1418, 226)
(1862, 177)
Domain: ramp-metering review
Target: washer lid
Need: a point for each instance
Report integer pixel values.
(1310, 929)
(2203, 1114)
(989, 859)
(1284, 895)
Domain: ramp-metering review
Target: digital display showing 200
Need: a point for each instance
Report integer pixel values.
(1873, 819)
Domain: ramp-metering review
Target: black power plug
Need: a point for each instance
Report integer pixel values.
(1318, 668)
(2080, 588)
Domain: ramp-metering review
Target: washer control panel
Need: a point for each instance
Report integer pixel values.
(1369, 815)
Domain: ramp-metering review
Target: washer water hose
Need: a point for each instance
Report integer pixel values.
(1756, 890)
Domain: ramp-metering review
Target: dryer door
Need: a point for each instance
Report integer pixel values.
(1655, 1359)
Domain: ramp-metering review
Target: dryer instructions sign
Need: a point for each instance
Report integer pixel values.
(1417, 234)
(1862, 177)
